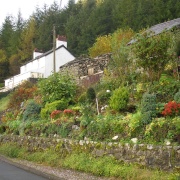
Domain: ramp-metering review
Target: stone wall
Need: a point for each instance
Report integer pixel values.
(154, 156)
(87, 69)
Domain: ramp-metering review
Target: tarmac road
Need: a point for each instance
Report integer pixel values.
(10, 172)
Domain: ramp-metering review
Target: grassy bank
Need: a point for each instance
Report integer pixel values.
(4, 100)
(106, 166)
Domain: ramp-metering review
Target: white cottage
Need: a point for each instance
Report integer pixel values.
(42, 64)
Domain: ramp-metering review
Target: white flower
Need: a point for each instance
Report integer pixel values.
(167, 142)
(115, 137)
(108, 91)
(134, 140)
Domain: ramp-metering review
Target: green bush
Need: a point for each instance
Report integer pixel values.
(87, 115)
(148, 108)
(176, 129)
(177, 97)
(161, 128)
(49, 107)
(2, 129)
(13, 126)
(104, 97)
(136, 125)
(82, 98)
(57, 87)
(165, 88)
(32, 111)
(105, 127)
(159, 108)
(119, 99)
(91, 95)
(21, 94)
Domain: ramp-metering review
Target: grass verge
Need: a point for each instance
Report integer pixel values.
(106, 166)
(4, 100)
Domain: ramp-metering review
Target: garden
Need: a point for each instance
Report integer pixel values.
(138, 98)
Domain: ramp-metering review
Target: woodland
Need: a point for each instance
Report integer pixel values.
(80, 22)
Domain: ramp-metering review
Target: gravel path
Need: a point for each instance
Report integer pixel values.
(52, 172)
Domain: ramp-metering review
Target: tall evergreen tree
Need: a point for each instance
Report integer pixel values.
(27, 42)
(6, 35)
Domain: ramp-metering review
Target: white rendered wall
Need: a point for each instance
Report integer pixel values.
(62, 57)
(40, 68)
(37, 65)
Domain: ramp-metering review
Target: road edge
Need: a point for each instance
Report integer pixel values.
(29, 169)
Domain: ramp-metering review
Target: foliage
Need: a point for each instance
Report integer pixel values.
(119, 99)
(22, 93)
(119, 66)
(14, 64)
(165, 88)
(13, 126)
(9, 116)
(68, 112)
(85, 162)
(82, 98)
(148, 108)
(2, 129)
(11, 150)
(177, 97)
(91, 95)
(32, 111)
(27, 37)
(121, 37)
(87, 115)
(103, 97)
(4, 100)
(57, 87)
(136, 125)
(153, 53)
(159, 108)
(172, 108)
(55, 114)
(161, 129)
(50, 107)
(101, 46)
(3, 65)
(105, 127)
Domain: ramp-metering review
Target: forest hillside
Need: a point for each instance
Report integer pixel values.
(81, 22)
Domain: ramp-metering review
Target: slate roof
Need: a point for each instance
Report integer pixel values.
(159, 28)
(46, 53)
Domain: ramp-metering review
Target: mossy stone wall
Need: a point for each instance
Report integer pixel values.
(154, 156)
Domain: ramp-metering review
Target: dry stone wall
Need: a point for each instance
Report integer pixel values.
(85, 67)
(154, 156)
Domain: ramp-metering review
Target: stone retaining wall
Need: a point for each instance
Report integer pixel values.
(154, 156)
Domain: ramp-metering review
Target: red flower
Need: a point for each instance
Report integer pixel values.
(172, 108)
(55, 114)
(68, 112)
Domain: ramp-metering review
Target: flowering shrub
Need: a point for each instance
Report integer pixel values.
(55, 114)
(68, 112)
(172, 108)
(24, 92)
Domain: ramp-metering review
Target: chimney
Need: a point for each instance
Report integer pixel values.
(61, 40)
(37, 53)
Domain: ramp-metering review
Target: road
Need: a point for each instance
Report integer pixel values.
(10, 172)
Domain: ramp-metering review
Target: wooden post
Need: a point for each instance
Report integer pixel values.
(54, 49)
